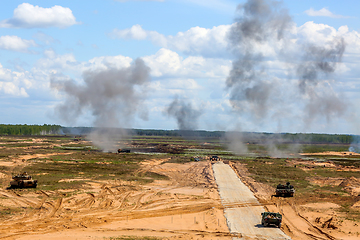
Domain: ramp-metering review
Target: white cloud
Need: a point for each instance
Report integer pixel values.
(135, 32)
(324, 12)
(54, 62)
(30, 16)
(315, 33)
(196, 41)
(10, 88)
(106, 62)
(15, 43)
(167, 63)
(13, 83)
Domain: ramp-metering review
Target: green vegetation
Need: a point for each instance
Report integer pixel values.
(68, 164)
(29, 129)
(272, 171)
(51, 172)
(8, 211)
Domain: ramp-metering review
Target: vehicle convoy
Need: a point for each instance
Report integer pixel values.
(287, 190)
(271, 218)
(23, 181)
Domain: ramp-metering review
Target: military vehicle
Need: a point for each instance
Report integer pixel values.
(23, 181)
(214, 158)
(271, 218)
(123, 150)
(287, 190)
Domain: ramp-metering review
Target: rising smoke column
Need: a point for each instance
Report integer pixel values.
(264, 32)
(184, 113)
(319, 62)
(263, 27)
(260, 22)
(113, 97)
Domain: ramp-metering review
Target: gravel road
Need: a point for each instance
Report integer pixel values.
(242, 209)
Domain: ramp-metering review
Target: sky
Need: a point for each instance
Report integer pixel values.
(254, 65)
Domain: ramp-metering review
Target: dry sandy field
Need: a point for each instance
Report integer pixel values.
(160, 199)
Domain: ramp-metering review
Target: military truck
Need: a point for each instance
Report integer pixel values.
(271, 218)
(23, 180)
(287, 190)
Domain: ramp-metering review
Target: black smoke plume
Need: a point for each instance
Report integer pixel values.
(319, 62)
(184, 113)
(262, 33)
(112, 96)
(260, 22)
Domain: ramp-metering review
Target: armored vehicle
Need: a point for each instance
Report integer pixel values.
(271, 218)
(285, 190)
(214, 158)
(123, 150)
(23, 181)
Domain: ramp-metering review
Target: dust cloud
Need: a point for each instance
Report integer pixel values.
(111, 96)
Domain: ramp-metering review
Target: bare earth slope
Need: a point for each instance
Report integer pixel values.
(185, 207)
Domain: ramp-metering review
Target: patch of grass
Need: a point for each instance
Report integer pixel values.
(326, 172)
(274, 171)
(313, 148)
(9, 211)
(96, 166)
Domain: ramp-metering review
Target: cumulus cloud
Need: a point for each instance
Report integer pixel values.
(135, 32)
(13, 83)
(15, 43)
(167, 63)
(324, 12)
(195, 41)
(30, 16)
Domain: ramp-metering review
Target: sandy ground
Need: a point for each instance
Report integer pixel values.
(306, 221)
(187, 206)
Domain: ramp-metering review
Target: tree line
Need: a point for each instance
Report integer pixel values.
(24, 129)
(250, 137)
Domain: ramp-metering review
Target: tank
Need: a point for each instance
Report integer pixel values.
(214, 158)
(23, 180)
(287, 190)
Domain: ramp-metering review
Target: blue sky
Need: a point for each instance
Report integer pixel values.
(185, 45)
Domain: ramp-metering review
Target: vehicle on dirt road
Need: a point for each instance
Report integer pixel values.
(287, 190)
(214, 158)
(271, 218)
(23, 181)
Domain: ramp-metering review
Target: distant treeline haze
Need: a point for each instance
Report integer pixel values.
(250, 137)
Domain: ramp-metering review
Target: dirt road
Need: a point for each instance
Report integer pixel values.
(242, 209)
